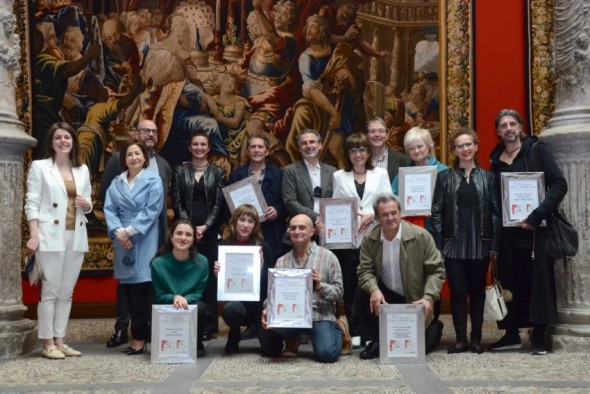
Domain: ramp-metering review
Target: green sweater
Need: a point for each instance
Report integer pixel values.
(171, 277)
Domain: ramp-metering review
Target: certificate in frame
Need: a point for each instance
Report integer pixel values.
(416, 188)
(290, 293)
(239, 273)
(522, 192)
(174, 335)
(246, 191)
(340, 219)
(401, 334)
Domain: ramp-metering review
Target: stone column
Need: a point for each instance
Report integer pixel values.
(568, 136)
(17, 335)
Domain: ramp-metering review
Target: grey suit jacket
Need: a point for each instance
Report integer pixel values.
(298, 189)
(395, 160)
(113, 168)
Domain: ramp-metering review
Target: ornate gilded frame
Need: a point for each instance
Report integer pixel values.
(540, 59)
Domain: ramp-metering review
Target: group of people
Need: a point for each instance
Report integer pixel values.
(398, 260)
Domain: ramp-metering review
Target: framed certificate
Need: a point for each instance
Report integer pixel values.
(239, 273)
(401, 334)
(174, 335)
(416, 187)
(522, 192)
(246, 191)
(340, 219)
(290, 293)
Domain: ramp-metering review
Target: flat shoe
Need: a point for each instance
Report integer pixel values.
(137, 352)
(53, 353)
(70, 352)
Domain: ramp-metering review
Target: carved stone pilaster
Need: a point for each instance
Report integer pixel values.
(568, 136)
(17, 335)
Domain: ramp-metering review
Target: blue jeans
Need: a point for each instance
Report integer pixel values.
(326, 340)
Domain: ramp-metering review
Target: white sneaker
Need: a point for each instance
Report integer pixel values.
(53, 353)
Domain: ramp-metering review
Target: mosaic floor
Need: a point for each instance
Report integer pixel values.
(101, 370)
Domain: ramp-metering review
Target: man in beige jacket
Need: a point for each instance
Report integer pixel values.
(399, 263)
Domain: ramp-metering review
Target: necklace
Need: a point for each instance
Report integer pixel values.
(200, 169)
(359, 173)
(510, 152)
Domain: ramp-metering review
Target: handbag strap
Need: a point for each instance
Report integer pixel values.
(492, 272)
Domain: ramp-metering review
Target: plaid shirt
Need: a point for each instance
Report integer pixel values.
(331, 290)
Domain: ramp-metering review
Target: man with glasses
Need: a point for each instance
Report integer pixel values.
(147, 132)
(383, 156)
(523, 266)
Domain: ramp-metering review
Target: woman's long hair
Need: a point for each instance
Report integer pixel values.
(168, 247)
(229, 232)
(75, 157)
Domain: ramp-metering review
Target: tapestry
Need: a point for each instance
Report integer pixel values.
(236, 68)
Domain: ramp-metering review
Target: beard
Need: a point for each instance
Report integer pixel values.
(71, 53)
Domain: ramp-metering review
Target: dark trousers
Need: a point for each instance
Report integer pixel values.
(349, 262)
(369, 323)
(208, 248)
(467, 278)
(201, 319)
(139, 297)
(122, 310)
(241, 313)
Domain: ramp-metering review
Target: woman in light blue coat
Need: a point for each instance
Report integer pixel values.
(132, 206)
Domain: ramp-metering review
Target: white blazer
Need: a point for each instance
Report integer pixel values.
(47, 201)
(376, 182)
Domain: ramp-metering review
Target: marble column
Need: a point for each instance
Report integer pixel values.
(17, 335)
(568, 135)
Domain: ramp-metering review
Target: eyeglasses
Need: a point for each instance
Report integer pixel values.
(353, 151)
(148, 131)
(467, 145)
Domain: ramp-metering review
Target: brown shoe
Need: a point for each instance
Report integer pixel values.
(346, 340)
(291, 347)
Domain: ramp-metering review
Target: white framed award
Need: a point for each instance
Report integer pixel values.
(522, 192)
(416, 188)
(340, 219)
(246, 191)
(401, 334)
(174, 335)
(239, 273)
(290, 294)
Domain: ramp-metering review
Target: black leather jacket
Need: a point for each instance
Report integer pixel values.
(183, 180)
(444, 222)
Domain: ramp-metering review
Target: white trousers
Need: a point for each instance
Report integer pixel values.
(61, 270)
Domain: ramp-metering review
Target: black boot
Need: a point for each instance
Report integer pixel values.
(119, 338)
(476, 346)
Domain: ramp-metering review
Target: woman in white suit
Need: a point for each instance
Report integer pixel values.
(364, 181)
(58, 196)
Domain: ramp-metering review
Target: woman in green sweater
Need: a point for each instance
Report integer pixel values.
(179, 274)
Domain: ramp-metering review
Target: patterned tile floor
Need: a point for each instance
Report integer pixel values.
(101, 370)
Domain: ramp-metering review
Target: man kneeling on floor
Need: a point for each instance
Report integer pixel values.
(399, 263)
(327, 332)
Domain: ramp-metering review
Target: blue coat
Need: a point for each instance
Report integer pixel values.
(140, 208)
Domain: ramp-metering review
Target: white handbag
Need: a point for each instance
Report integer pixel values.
(495, 305)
